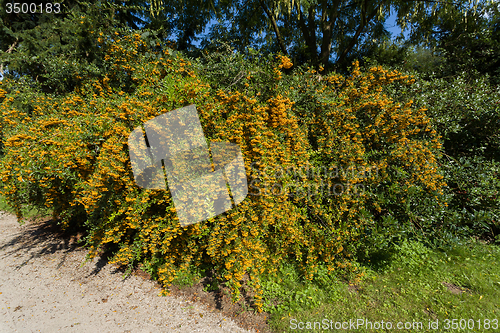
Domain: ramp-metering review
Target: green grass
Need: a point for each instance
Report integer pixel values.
(3, 205)
(188, 277)
(28, 212)
(408, 287)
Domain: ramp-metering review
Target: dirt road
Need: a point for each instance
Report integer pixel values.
(45, 288)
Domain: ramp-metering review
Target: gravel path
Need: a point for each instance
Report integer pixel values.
(45, 288)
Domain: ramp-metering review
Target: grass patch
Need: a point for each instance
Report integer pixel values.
(188, 277)
(416, 285)
(28, 212)
(4, 206)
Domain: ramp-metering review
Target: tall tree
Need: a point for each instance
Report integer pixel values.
(329, 31)
(473, 46)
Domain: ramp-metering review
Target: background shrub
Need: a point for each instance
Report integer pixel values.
(467, 116)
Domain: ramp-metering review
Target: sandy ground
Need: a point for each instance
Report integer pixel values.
(45, 287)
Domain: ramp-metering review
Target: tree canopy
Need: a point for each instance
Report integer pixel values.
(325, 33)
(330, 32)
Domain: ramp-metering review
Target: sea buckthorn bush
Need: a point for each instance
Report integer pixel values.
(330, 161)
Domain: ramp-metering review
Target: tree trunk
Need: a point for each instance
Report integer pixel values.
(328, 19)
(275, 27)
(362, 25)
(309, 38)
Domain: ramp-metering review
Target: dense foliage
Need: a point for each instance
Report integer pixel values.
(56, 50)
(330, 160)
(467, 115)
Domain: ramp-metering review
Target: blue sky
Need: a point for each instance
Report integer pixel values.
(392, 26)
